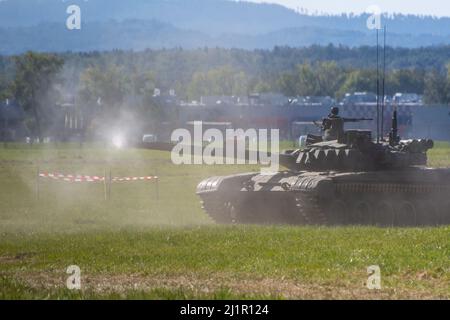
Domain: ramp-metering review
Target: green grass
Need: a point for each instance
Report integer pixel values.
(439, 156)
(135, 246)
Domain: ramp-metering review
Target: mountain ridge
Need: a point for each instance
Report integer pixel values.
(212, 17)
(138, 24)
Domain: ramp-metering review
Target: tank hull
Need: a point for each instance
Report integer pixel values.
(409, 197)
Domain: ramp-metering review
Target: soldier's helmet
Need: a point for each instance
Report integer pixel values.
(335, 111)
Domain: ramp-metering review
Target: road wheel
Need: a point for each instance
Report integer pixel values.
(339, 213)
(428, 214)
(361, 213)
(406, 214)
(384, 214)
(445, 213)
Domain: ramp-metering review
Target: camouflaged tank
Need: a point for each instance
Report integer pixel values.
(349, 181)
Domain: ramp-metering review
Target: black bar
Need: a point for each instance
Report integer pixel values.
(255, 309)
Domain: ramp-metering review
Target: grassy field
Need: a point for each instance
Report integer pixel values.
(136, 246)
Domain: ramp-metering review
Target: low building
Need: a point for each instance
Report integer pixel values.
(359, 98)
(407, 98)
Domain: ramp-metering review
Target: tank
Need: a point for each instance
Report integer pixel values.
(352, 180)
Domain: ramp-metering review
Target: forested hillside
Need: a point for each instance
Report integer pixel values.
(315, 70)
(40, 25)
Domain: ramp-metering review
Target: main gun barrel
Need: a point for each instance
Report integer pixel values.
(357, 119)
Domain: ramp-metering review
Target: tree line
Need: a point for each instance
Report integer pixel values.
(40, 80)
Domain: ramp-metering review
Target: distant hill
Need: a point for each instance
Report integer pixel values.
(139, 24)
(129, 34)
(140, 35)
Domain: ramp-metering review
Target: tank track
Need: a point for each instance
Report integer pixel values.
(298, 209)
(308, 209)
(265, 208)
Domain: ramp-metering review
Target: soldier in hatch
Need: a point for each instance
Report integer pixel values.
(333, 125)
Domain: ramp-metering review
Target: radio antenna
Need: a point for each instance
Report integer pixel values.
(384, 82)
(378, 90)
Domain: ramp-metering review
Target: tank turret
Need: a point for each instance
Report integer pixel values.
(355, 150)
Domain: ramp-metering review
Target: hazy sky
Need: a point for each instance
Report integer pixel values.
(427, 7)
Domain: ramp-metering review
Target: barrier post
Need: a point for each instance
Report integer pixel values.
(157, 184)
(105, 195)
(37, 182)
(109, 183)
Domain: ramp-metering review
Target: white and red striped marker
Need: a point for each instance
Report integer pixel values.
(82, 178)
